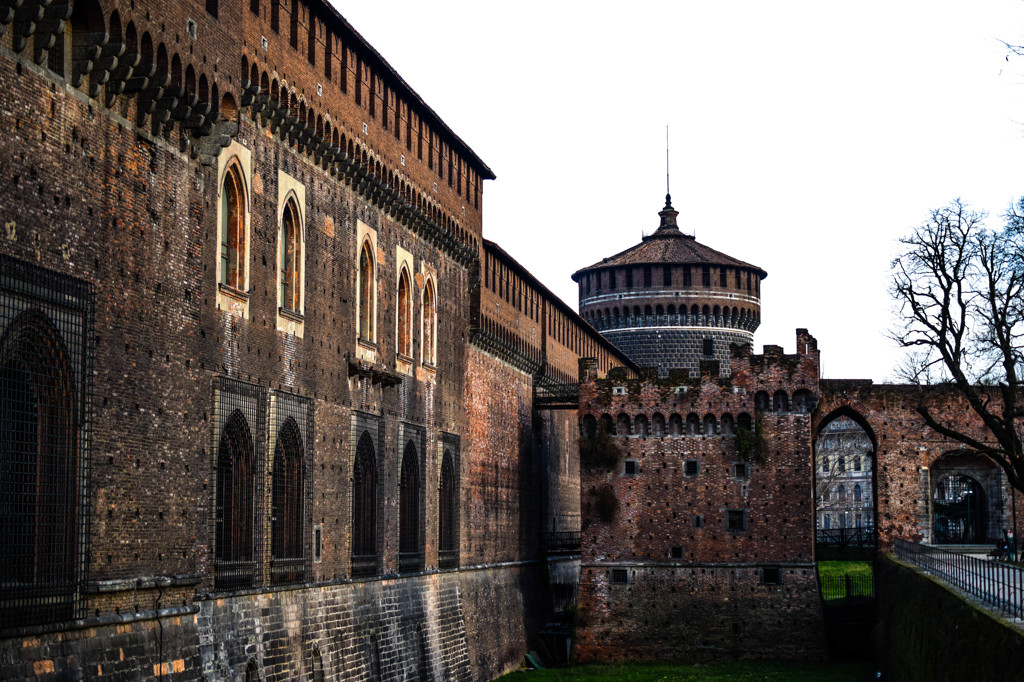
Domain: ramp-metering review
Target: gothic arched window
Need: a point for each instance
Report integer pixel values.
(235, 505)
(39, 464)
(404, 314)
(410, 557)
(367, 292)
(291, 258)
(287, 560)
(364, 508)
(448, 514)
(429, 318)
(233, 247)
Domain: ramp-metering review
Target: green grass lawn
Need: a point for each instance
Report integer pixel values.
(729, 671)
(855, 568)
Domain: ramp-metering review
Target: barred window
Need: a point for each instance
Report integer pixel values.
(235, 505)
(233, 248)
(40, 469)
(410, 557)
(287, 560)
(448, 515)
(364, 508)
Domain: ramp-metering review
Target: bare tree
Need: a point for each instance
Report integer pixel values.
(959, 287)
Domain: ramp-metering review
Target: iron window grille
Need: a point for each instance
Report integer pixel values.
(630, 467)
(691, 468)
(240, 434)
(367, 435)
(410, 498)
(291, 488)
(620, 576)
(46, 356)
(448, 503)
(676, 552)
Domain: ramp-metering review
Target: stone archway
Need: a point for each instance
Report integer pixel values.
(966, 500)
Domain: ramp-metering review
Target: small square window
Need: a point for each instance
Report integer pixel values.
(697, 521)
(739, 470)
(736, 520)
(676, 552)
(771, 575)
(630, 467)
(691, 468)
(620, 576)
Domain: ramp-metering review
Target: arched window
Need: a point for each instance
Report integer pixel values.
(744, 422)
(233, 247)
(291, 259)
(858, 494)
(856, 463)
(364, 508)
(841, 493)
(803, 401)
(710, 425)
(367, 292)
(640, 426)
(607, 425)
(658, 424)
(235, 505)
(429, 317)
(780, 402)
(842, 465)
(589, 427)
(692, 425)
(39, 468)
(622, 425)
(252, 673)
(762, 403)
(287, 558)
(404, 314)
(448, 514)
(675, 425)
(728, 425)
(410, 556)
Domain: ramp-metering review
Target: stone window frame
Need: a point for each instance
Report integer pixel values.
(620, 576)
(697, 521)
(770, 575)
(691, 468)
(630, 467)
(238, 160)
(740, 470)
(737, 520)
(291, 196)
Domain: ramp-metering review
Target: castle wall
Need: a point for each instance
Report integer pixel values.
(694, 547)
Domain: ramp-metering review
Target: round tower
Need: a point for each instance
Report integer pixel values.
(671, 302)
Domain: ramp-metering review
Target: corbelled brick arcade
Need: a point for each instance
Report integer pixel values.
(272, 407)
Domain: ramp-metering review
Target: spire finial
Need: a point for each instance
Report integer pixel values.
(668, 190)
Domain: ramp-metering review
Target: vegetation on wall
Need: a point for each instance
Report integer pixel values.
(599, 452)
(750, 443)
(606, 503)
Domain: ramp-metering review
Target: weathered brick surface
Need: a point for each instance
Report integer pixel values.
(694, 587)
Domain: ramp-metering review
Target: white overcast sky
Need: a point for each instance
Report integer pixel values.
(806, 137)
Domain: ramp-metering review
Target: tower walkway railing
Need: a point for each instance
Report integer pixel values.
(994, 582)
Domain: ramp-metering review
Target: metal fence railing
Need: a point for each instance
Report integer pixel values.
(840, 588)
(997, 583)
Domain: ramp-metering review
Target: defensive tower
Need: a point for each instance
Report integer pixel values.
(671, 302)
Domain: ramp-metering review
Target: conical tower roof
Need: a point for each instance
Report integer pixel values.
(669, 245)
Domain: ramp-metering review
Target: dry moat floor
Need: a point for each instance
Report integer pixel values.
(731, 671)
